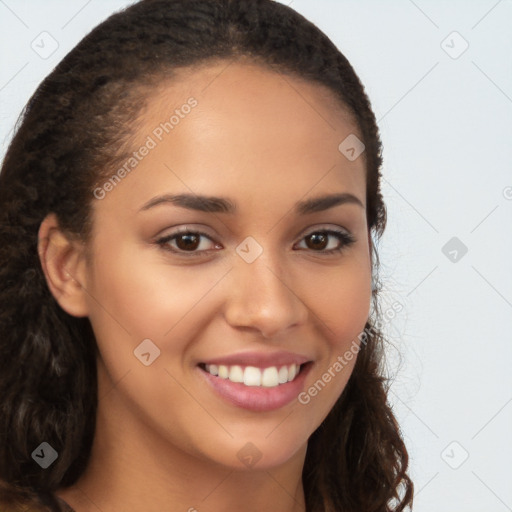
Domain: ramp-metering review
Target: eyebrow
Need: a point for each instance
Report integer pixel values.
(213, 204)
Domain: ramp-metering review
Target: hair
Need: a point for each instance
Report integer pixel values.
(74, 130)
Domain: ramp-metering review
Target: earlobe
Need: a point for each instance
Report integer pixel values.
(63, 263)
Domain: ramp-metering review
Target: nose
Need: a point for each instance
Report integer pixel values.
(263, 298)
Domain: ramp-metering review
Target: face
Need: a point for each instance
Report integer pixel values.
(262, 285)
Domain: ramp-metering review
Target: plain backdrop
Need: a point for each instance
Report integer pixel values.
(439, 76)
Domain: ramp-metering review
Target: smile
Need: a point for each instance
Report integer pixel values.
(256, 382)
(268, 377)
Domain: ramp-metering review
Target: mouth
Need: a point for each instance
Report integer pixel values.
(255, 388)
(253, 376)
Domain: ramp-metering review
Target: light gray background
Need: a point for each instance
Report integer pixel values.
(446, 123)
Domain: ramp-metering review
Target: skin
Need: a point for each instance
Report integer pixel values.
(164, 440)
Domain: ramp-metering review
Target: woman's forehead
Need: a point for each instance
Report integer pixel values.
(243, 92)
(239, 121)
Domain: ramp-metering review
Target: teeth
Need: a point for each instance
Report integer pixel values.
(236, 374)
(282, 375)
(223, 371)
(251, 376)
(292, 372)
(269, 377)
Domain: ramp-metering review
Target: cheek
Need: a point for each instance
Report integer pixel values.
(341, 300)
(143, 296)
(341, 303)
(137, 299)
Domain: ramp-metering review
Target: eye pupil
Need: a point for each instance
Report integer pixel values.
(318, 238)
(192, 241)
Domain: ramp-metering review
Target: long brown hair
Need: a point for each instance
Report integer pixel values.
(73, 132)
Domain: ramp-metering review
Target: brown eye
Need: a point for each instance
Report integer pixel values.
(188, 241)
(318, 241)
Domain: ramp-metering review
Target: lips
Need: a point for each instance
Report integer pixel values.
(257, 381)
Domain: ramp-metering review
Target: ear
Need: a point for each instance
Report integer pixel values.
(63, 263)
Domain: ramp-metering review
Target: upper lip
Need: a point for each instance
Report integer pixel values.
(259, 359)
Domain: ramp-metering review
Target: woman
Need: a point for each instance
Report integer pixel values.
(189, 208)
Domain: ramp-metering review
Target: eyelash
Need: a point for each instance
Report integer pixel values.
(346, 240)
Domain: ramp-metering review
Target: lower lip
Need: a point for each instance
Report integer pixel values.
(257, 398)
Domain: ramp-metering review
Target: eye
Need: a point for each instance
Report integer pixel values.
(319, 241)
(186, 241)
